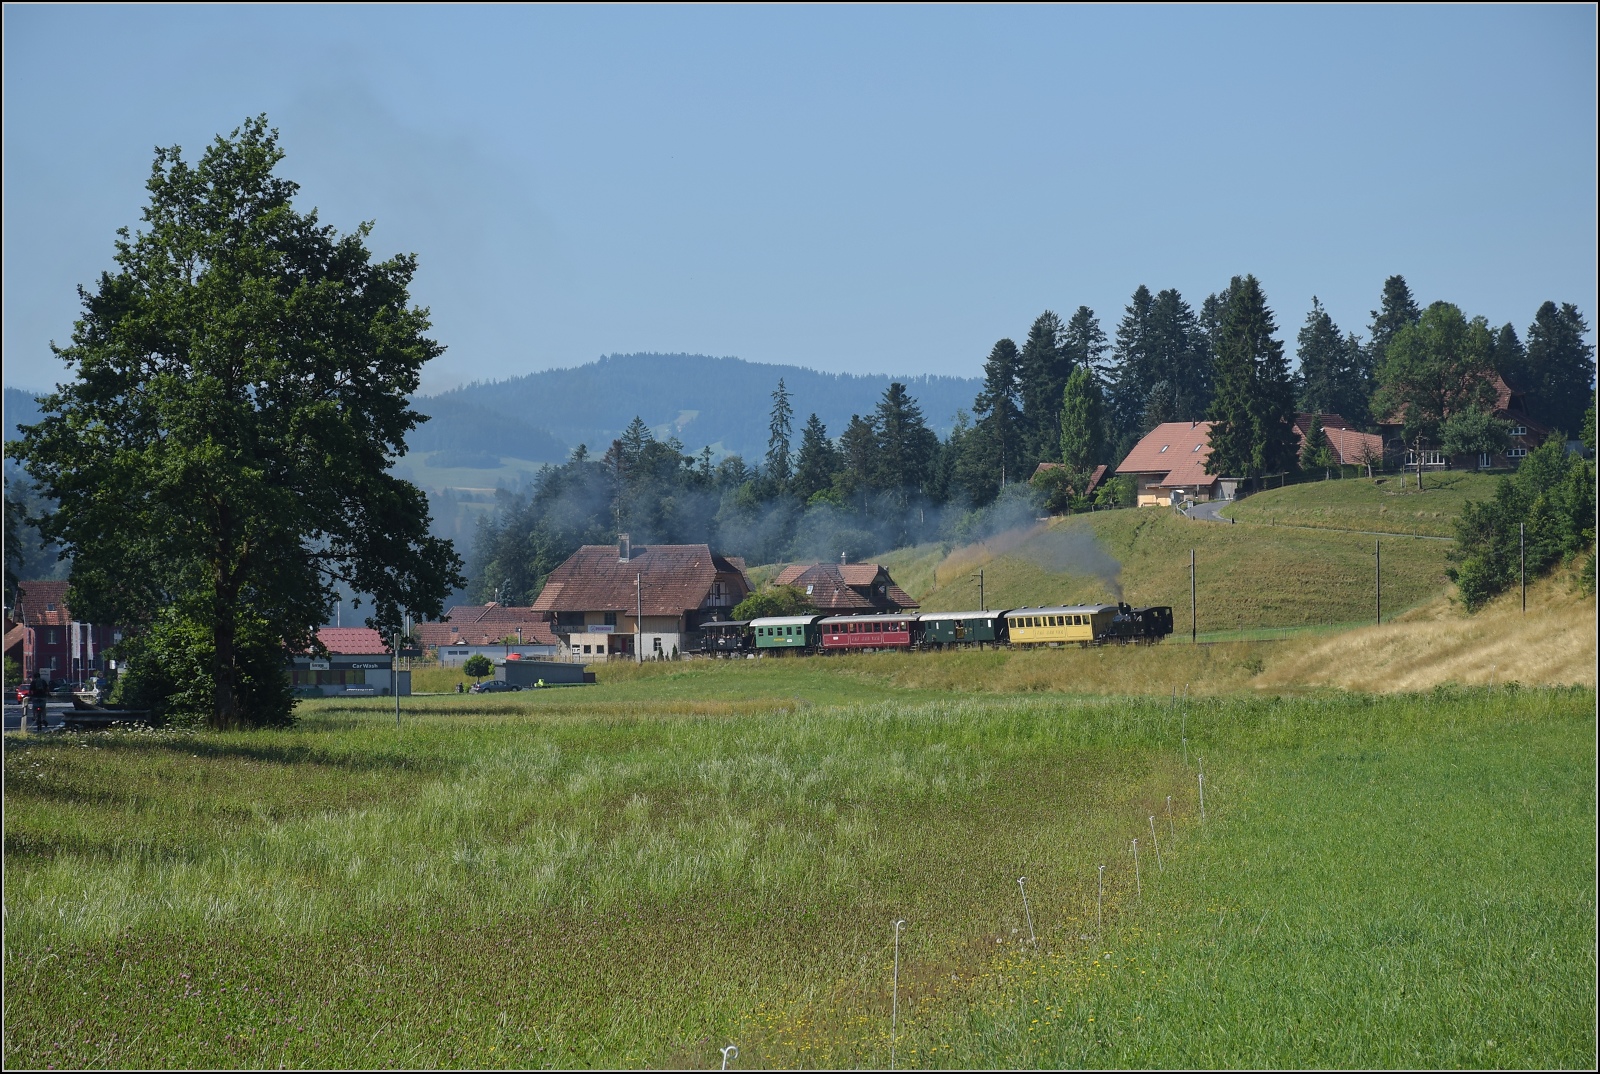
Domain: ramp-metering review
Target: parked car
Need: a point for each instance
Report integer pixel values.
(66, 689)
(494, 686)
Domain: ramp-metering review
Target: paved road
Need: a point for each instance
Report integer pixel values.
(1209, 511)
(52, 716)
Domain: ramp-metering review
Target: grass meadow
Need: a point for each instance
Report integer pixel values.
(697, 855)
(1389, 504)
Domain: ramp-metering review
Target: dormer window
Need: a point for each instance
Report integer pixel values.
(49, 607)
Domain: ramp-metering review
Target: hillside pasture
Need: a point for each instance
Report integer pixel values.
(1388, 504)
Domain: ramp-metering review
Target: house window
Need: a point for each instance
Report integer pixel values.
(808, 590)
(1194, 449)
(1517, 453)
(1519, 430)
(1163, 448)
(51, 636)
(1485, 460)
(611, 618)
(49, 607)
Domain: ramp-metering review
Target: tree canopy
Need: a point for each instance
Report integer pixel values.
(220, 459)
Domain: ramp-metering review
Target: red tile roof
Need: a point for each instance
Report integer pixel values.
(43, 604)
(676, 578)
(1179, 450)
(352, 641)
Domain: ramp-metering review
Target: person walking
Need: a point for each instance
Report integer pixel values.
(38, 694)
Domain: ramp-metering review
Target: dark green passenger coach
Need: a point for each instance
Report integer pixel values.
(781, 632)
(940, 629)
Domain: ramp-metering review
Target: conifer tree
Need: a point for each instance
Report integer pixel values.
(1253, 407)
(1082, 422)
(999, 416)
(1332, 369)
(1130, 376)
(1316, 453)
(1511, 357)
(780, 427)
(1084, 343)
(906, 446)
(1176, 353)
(1560, 364)
(1042, 375)
(1397, 309)
(818, 461)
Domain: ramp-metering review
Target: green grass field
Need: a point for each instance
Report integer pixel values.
(690, 856)
(1385, 504)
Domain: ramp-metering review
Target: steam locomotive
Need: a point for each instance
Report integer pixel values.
(1017, 628)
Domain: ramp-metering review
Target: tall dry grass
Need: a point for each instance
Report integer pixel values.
(1553, 643)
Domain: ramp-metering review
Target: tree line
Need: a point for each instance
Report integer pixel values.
(1069, 395)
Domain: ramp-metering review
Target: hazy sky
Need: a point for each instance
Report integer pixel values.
(848, 188)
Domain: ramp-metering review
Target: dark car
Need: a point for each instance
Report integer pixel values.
(66, 689)
(494, 686)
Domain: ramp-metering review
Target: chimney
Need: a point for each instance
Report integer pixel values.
(842, 559)
(624, 548)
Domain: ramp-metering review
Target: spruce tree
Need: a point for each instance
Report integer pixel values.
(1175, 352)
(1130, 357)
(1253, 407)
(1397, 309)
(1560, 365)
(999, 416)
(906, 446)
(1042, 376)
(1511, 357)
(780, 427)
(858, 456)
(1084, 343)
(1332, 369)
(818, 460)
(1316, 453)
(1082, 422)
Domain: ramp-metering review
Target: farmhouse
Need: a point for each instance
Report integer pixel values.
(1510, 405)
(623, 599)
(44, 637)
(847, 588)
(1169, 464)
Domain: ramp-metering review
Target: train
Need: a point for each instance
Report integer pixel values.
(1016, 628)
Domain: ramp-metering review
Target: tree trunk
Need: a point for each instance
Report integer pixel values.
(225, 714)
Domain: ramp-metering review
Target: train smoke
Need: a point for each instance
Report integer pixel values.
(1075, 551)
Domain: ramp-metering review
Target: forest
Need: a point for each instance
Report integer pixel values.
(1069, 394)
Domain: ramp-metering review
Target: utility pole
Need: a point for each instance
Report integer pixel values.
(1194, 605)
(394, 679)
(983, 605)
(1377, 577)
(638, 618)
(1522, 560)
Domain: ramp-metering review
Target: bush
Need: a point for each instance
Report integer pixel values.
(774, 600)
(169, 671)
(478, 666)
(1551, 497)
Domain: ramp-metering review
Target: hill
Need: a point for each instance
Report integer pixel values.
(723, 402)
(1389, 504)
(1248, 577)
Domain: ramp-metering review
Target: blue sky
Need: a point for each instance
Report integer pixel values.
(847, 188)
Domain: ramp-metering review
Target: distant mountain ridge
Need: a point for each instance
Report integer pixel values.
(700, 399)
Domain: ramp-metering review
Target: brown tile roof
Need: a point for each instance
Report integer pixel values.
(352, 641)
(846, 587)
(677, 578)
(15, 635)
(43, 603)
(535, 631)
(1348, 443)
(1178, 449)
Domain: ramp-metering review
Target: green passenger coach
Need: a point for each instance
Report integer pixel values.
(942, 629)
(781, 632)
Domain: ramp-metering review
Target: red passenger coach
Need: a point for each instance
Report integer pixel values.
(846, 633)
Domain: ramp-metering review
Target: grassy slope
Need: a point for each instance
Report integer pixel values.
(1385, 504)
(1247, 577)
(641, 872)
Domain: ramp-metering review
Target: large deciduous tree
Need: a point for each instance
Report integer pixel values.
(1437, 367)
(1082, 421)
(220, 458)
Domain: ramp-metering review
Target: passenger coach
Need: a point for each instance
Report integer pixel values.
(861, 633)
(1079, 625)
(943, 629)
(779, 632)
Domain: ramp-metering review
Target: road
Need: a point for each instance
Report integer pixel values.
(52, 715)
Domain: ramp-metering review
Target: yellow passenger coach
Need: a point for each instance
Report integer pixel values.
(1080, 625)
